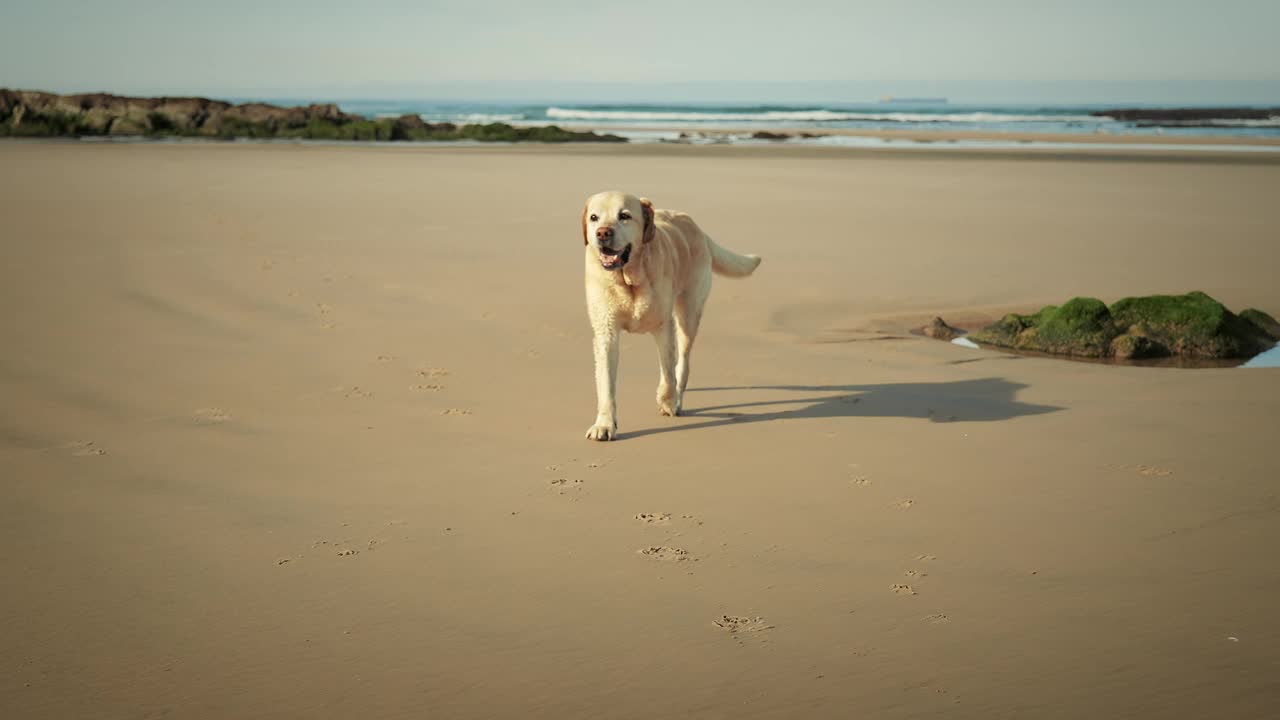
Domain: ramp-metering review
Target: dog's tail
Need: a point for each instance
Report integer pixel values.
(729, 263)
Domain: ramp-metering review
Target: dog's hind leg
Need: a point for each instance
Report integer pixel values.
(688, 317)
(668, 395)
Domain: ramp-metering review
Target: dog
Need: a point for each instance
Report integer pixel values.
(647, 271)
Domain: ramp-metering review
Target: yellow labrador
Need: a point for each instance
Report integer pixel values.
(648, 271)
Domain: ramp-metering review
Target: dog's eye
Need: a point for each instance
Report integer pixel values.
(594, 217)
(624, 215)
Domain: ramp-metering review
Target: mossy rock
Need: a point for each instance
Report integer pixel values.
(1262, 321)
(1192, 325)
(1135, 347)
(1082, 327)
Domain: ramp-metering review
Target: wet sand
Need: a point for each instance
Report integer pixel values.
(297, 431)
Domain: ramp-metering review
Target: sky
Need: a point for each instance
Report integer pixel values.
(1154, 51)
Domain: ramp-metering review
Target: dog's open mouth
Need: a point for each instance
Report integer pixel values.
(611, 259)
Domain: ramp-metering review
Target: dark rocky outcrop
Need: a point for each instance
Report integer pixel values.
(1262, 321)
(26, 113)
(938, 329)
(40, 113)
(766, 135)
(1187, 116)
(1192, 326)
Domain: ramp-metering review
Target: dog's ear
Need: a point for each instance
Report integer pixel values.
(649, 230)
(584, 225)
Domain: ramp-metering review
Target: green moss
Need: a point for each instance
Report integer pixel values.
(502, 132)
(1082, 326)
(234, 127)
(1194, 316)
(1192, 325)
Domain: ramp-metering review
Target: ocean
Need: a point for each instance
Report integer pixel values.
(648, 122)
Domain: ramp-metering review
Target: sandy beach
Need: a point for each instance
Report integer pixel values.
(297, 431)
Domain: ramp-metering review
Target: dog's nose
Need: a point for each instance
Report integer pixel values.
(604, 233)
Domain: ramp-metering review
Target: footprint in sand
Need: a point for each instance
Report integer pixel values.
(386, 358)
(355, 391)
(565, 486)
(664, 518)
(324, 310)
(735, 625)
(861, 481)
(916, 573)
(937, 619)
(430, 374)
(904, 504)
(455, 411)
(211, 416)
(926, 557)
(902, 589)
(1152, 471)
(344, 547)
(670, 554)
(86, 449)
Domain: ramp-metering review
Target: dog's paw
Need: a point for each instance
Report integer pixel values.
(602, 431)
(668, 403)
(668, 400)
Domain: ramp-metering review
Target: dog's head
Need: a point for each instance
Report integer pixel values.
(617, 226)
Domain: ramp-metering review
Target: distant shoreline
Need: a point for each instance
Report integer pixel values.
(792, 132)
(34, 114)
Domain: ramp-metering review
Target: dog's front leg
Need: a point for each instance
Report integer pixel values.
(606, 352)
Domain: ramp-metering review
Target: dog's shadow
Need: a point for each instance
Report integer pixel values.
(984, 400)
